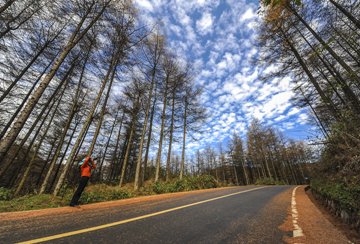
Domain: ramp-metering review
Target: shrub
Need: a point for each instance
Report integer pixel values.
(186, 184)
(102, 192)
(5, 194)
(268, 181)
(347, 196)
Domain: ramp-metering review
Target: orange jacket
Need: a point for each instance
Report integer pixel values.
(87, 166)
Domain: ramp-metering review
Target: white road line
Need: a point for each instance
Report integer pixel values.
(297, 229)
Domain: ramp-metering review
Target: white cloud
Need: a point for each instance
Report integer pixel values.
(145, 4)
(219, 41)
(293, 111)
(303, 119)
(204, 25)
(249, 14)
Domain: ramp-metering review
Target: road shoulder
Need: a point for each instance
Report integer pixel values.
(316, 228)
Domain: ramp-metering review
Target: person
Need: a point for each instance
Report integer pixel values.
(86, 165)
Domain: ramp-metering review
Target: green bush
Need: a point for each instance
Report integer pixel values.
(186, 184)
(102, 192)
(5, 194)
(347, 196)
(268, 181)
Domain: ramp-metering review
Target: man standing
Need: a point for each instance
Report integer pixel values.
(86, 165)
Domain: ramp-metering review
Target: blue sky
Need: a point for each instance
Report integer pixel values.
(219, 38)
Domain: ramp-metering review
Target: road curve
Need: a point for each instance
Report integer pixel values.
(249, 214)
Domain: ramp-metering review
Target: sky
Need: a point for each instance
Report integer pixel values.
(218, 38)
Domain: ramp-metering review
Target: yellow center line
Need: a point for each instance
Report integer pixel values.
(99, 227)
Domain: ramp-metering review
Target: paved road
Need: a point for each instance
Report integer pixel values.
(216, 216)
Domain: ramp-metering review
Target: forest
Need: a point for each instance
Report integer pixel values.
(86, 77)
(318, 43)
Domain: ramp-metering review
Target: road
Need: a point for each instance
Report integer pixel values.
(249, 214)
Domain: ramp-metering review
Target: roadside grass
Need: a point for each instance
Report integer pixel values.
(31, 202)
(102, 192)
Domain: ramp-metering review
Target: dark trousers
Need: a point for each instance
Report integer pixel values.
(75, 199)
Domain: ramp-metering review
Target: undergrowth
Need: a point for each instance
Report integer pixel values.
(100, 193)
(347, 196)
(269, 181)
(186, 184)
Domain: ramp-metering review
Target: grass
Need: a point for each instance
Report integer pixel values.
(31, 202)
(101, 192)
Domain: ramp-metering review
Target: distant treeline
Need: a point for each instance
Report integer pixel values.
(266, 157)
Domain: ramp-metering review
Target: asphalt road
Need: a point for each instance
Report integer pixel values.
(217, 216)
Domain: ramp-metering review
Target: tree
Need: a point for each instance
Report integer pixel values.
(155, 47)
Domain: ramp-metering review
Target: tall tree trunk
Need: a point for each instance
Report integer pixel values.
(102, 113)
(266, 163)
(348, 40)
(13, 19)
(6, 5)
(26, 68)
(312, 79)
(355, 59)
(119, 159)
(7, 161)
(71, 115)
(61, 159)
(245, 172)
(216, 169)
(342, 83)
(128, 148)
(84, 128)
(6, 142)
(352, 73)
(139, 159)
(23, 71)
(114, 157)
(18, 109)
(107, 145)
(182, 165)
(319, 122)
(346, 13)
(171, 136)
(236, 175)
(46, 162)
(158, 157)
(146, 158)
(32, 161)
(58, 149)
(37, 132)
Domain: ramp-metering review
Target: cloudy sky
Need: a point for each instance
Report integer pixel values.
(219, 38)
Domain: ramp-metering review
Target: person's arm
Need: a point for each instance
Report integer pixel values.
(93, 165)
(86, 162)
